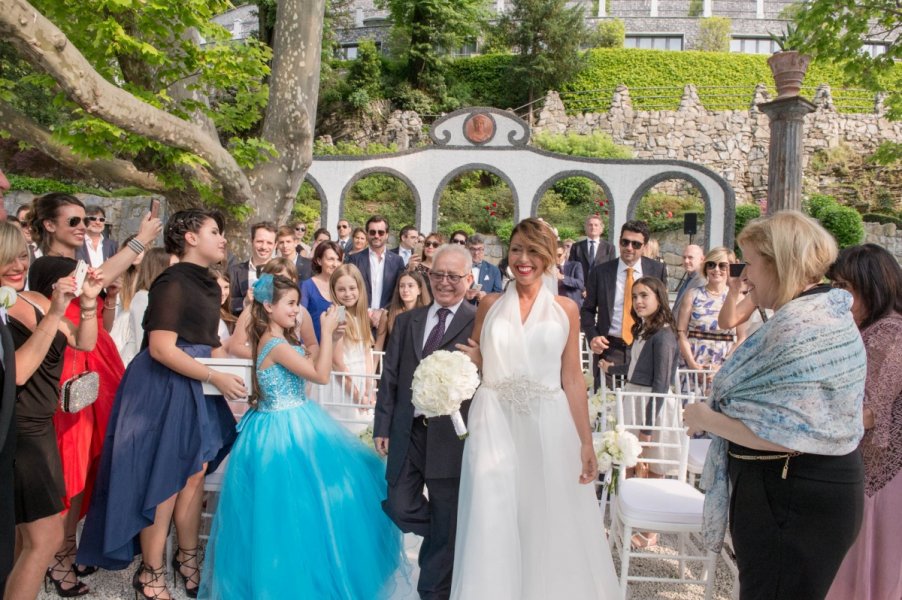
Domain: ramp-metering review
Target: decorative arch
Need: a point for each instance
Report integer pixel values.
(546, 185)
(319, 192)
(381, 171)
(466, 169)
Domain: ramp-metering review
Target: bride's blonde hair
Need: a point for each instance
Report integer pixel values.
(539, 236)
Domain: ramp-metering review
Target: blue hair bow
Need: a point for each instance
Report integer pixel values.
(263, 289)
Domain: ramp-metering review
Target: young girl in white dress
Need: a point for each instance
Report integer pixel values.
(528, 526)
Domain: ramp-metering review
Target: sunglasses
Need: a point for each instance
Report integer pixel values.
(377, 232)
(75, 221)
(453, 278)
(301, 229)
(431, 244)
(634, 243)
(344, 226)
(716, 265)
(95, 219)
(459, 241)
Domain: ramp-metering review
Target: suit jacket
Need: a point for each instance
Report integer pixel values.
(601, 288)
(573, 283)
(238, 285)
(394, 408)
(579, 252)
(489, 278)
(304, 267)
(107, 246)
(393, 267)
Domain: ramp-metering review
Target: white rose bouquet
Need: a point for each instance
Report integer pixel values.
(8, 296)
(616, 447)
(441, 384)
(599, 405)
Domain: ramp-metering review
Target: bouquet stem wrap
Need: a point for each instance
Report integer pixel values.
(460, 428)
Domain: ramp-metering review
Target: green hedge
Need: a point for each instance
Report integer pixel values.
(606, 68)
(882, 218)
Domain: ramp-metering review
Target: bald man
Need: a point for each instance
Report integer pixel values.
(693, 256)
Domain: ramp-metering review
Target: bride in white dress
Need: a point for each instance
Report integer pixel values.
(528, 525)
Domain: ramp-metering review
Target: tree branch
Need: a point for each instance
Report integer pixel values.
(46, 47)
(108, 170)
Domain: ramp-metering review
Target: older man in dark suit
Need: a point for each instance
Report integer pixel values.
(605, 316)
(379, 267)
(425, 453)
(594, 250)
(571, 281)
(7, 438)
(97, 247)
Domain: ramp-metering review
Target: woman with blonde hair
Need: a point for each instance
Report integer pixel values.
(785, 420)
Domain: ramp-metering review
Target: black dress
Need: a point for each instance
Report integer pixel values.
(39, 486)
(163, 429)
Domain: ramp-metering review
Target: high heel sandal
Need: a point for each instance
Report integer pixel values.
(70, 550)
(140, 587)
(195, 570)
(77, 588)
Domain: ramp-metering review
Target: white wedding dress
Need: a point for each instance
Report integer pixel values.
(526, 528)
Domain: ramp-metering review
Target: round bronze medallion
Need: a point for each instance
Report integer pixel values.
(479, 128)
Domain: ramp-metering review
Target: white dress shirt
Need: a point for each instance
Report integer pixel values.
(377, 276)
(404, 253)
(617, 315)
(95, 255)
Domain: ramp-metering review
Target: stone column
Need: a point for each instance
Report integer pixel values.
(784, 164)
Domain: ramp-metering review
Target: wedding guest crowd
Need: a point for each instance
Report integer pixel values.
(804, 414)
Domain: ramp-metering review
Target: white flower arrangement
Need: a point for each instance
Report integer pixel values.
(8, 296)
(599, 402)
(441, 383)
(366, 436)
(616, 447)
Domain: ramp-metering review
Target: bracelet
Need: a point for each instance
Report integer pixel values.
(136, 246)
(92, 307)
(108, 305)
(209, 376)
(87, 314)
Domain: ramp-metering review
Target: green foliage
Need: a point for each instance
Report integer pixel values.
(450, 228)
(504, 230)
(714, 34)
(888, 153)
(365, 73)
(594, 145)
(696, 8)
(817, 205)
(664, 211)
(609, 33)
(39, 185)
(844, 223)
(838, 29)
(546, 36)
(571, 233)
(406, 97)
(882, 218)
(343, 148)
(744, 214)
(251, 151)
(487, 78)
(574, 190)
(790, 11)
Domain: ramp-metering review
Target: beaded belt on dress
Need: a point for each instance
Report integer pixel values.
(518, 391)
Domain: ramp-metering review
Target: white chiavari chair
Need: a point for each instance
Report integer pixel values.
(698, 383)
(585, 353)
(350, 399)
(665, 506)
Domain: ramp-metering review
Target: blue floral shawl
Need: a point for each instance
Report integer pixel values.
(798, 382)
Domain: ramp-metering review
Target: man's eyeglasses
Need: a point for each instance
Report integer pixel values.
(477, 249)
(345, 226)
(431, 244)
(75, 221)
(459, 241)
(377, 232)
(636, 244)
(93, 219)
(453, 278)
(716, 265)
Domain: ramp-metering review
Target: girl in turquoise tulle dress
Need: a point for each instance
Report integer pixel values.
(299, 515)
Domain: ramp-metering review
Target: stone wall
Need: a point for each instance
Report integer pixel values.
(888, 236)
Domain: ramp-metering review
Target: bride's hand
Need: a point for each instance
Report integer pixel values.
(471, 349)
(590, 463)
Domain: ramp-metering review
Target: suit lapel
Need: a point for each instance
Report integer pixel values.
(610, 285)
(365, 271)
(463, 316)
(417, 331)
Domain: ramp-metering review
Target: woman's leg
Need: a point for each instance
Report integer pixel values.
(40, 539)
(153, 547)
(188, 507)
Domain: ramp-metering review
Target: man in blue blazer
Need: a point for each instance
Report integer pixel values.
(570, 280)
(486, 276)
(379, 267)
(602, 313)
(97, 247)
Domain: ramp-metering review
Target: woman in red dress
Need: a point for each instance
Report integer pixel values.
(58, 225)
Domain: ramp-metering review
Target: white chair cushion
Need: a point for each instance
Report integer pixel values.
(698, 451)
(660, 500)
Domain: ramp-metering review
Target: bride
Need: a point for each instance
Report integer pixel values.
(528, 525)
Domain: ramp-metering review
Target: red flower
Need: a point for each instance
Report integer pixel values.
(669, 214)
(494, 205)
(492, 213)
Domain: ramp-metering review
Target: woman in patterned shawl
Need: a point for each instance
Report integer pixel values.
(786, 419)
(871, 569)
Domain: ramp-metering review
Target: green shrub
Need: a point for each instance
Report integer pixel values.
(40, 185)
(571, 233)
(882, 218)
(594, 145)
(450, 228)
(503, 231)
(714, 35)
(696, 8)
(610, 33)
(575, 191)
(365, 72)
(844, 223)
(664, 212)
(744, 214)
(817, 204)
(408, 98)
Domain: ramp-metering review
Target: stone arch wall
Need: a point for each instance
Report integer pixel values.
(670, 175)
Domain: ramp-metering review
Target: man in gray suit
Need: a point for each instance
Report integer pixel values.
(602, 316)
(425, 453)
(693, 257)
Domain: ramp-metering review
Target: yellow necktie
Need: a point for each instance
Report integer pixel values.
(626, 331)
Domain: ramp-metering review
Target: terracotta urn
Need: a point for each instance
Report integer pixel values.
(788, 68)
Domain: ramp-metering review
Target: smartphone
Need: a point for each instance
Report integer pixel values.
(341, 314)
(736, 269)
(81, 272)
(418, 249)
(154, 208)
(477, 287)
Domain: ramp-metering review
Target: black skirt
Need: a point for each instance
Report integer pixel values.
(39, 486)
(791, 534)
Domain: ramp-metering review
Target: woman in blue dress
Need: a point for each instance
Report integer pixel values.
(299, 513)
(315, 294)
(164, 432)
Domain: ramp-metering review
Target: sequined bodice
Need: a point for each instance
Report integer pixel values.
(279, 387)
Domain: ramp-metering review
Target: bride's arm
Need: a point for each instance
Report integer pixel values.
(471, 348)
(574, 384)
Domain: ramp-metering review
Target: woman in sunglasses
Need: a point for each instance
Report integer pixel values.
(58, 226)
(433, 241)
(702, 344)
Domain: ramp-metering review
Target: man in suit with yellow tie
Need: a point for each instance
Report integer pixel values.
(605, 315)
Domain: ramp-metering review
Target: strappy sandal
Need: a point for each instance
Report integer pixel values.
(194, 575)
(141, 586)
(74, 588)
